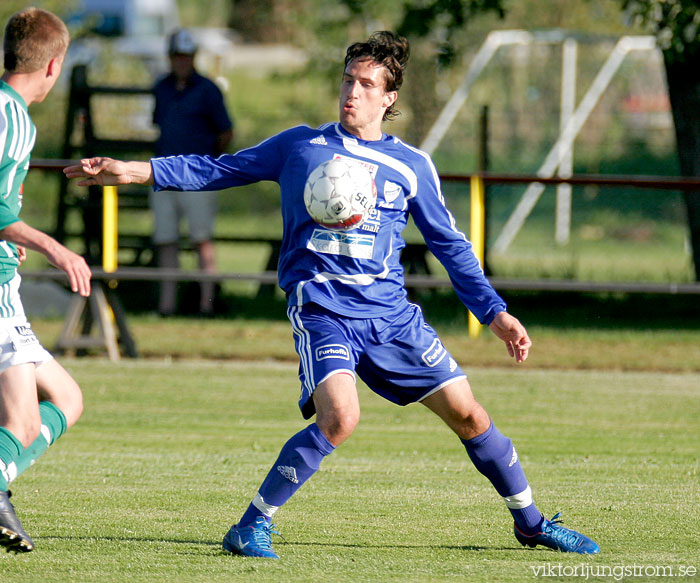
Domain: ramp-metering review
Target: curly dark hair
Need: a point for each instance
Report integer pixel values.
(390, 51)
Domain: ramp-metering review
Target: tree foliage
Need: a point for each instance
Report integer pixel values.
(58, 7)
(442, 21)
(676, 24)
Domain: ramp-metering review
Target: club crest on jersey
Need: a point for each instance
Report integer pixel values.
(332, 351)
(392, 191)
(434, 355)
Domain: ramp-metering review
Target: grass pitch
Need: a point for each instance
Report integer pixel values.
(168, 455)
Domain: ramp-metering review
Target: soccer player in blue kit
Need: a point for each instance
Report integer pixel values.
(348, 308)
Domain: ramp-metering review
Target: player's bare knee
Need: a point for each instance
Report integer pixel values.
(73, 409)
(473, 424)
(54, 384)
(339, 425)
(348, 421)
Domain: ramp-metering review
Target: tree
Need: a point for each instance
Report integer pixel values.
(676, 24)
(59, 7)
(262, 21)
(432, 28)
(436, 30)
(325, 27)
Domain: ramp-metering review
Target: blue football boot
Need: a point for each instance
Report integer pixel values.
(556, 537)
(251, 541)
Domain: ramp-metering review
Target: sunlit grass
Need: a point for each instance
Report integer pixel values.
(167, 456)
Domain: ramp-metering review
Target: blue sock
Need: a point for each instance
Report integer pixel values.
(299, 459)
(495, 457)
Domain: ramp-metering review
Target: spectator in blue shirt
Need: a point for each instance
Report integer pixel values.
(192, 117)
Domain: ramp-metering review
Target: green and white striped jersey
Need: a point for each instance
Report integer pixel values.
(17, 137)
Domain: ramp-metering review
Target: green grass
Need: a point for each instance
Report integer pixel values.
(168, 454)
(569, 331)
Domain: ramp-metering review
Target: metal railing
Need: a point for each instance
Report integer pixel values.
(477, 183)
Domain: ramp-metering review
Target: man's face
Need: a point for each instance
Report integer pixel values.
(363, 98)
(182, 65)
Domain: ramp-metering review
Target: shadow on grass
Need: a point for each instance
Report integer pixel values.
(134, 539)
(397, 546)
(286, 543)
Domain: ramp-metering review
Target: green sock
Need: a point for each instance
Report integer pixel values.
(10, 450)
(53, 419)
(53, 425)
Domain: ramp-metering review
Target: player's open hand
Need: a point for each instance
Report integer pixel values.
(75, 267)
(102, 171)
(509, 329)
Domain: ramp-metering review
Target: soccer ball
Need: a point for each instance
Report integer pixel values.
(340, 193)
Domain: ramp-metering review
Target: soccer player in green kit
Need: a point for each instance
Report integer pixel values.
(39, 400)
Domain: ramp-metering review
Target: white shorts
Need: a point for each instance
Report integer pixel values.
(199, 208)
(18, 343)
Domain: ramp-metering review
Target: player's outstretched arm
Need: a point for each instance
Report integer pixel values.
(109, 172)
(509, 329)
(74, 265)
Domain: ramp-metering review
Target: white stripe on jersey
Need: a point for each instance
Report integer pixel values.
(11, 179)
(353, 147)
(348, 279)
(14, 124)
(6, 248)
(436, 179)
(21, 130)
(22, 140)
(3, 123)
(28, 137)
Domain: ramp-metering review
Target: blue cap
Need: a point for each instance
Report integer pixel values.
(182, 43)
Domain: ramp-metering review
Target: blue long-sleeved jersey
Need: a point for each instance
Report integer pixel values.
(355, 273)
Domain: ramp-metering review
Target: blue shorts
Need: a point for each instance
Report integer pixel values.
(400, 358)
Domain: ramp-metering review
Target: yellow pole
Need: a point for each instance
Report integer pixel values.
(477, 235)
(109, 228)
